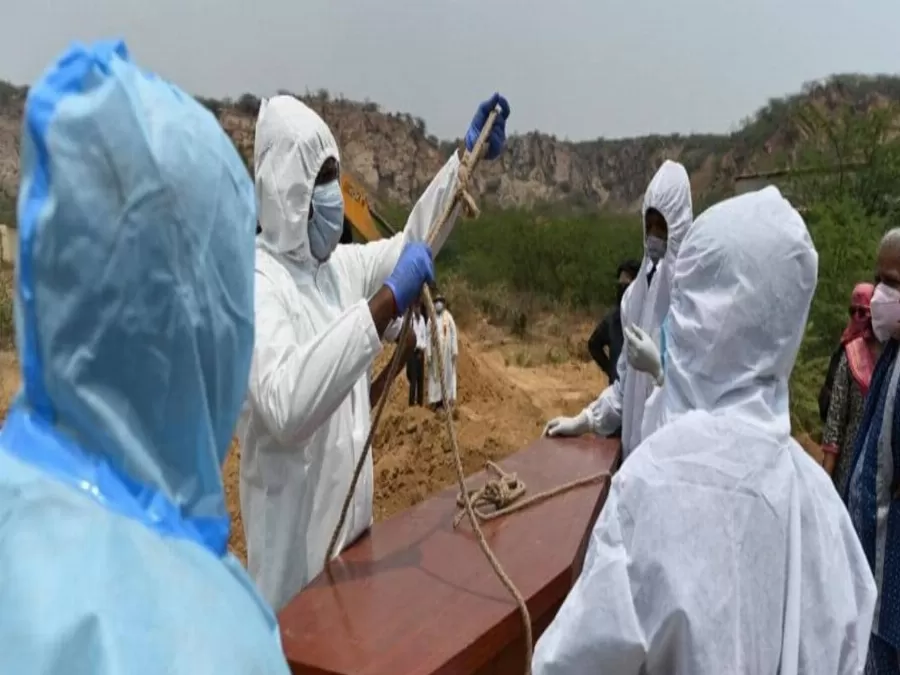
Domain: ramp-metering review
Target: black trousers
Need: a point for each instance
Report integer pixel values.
(415, 373)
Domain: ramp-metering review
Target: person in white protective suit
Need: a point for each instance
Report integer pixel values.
(321, 311)
(134, 325)
(449, 346)
(723, 547)
(667, 216)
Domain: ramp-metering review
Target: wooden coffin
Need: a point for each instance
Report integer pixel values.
(417, 597)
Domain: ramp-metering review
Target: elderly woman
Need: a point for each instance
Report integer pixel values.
(873, 497)
(857, 355)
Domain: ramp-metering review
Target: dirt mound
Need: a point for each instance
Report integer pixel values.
(412, 450)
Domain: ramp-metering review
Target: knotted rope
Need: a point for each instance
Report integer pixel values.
(503, 492)
(461, 198)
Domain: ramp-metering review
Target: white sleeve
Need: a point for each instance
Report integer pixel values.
(605, 414)
(392, 332)
(454, 345)
(368, 266)
(298, 380)
(597, 629)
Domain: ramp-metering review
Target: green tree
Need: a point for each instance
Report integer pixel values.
(848, 170)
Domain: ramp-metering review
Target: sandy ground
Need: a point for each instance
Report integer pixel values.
(502, 406)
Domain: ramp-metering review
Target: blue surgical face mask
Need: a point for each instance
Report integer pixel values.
(327, 222)
(656, 248)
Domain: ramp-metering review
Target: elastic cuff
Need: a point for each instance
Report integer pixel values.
(831, 449)
(370, 335)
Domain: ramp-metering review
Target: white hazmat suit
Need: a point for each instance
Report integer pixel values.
(645, 304)
(308, 412)
(723, 547)
(446, 330)
(135, 332)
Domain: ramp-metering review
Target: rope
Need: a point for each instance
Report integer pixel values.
(469, 160)
(460, 198)
(503, 492)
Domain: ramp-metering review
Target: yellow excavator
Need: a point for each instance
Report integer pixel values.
(362, 222)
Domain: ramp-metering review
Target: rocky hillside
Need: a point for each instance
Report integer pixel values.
(395, 156)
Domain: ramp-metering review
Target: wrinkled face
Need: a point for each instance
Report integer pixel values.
(656, 225)
(888, 266)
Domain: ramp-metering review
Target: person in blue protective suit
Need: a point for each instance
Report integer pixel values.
(134, 320)
(322, 309)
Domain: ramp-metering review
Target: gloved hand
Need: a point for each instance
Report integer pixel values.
(568, 426)
(497, 140)
(414, 269)
(642, 353)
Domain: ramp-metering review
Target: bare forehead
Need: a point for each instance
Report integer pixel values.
(888, 265)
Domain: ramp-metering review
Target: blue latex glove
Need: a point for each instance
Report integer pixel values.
(497, 139)
(414, 269)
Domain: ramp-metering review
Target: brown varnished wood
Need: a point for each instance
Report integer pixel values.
(416, 597)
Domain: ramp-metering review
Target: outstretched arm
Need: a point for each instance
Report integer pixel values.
(605, 414)
(300, 377)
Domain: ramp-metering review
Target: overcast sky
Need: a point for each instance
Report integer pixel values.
(575, 68)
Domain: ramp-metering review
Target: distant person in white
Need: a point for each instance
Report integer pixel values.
(415, 361)
(449, 345)
(723, 547)
(415, 365)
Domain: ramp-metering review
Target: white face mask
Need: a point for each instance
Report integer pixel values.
(885, 309)
(327, 222)
(439, 307)
(656, 248)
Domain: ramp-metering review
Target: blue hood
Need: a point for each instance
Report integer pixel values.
(134, 311)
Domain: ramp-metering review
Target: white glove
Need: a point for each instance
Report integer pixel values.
(642, 353)
(568, 426)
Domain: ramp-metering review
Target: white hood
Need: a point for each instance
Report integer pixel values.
(722, 546)
(743, 286)
(644, 304)
(292, 142)
(669, 193)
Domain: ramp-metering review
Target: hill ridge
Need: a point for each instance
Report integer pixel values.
(395, 156)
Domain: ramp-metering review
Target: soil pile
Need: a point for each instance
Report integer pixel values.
(412, 451)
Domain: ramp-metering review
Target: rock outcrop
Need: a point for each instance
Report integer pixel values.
(394, 155)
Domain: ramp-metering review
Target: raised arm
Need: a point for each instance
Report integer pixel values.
(370, 264)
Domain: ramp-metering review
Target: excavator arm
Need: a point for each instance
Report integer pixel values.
(361, 221)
